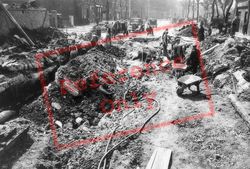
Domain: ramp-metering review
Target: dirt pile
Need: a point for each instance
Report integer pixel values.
(82, 66)
(211, 41)
(18, 62)
(145, 51)
(221, 58)
(84, 102)
(228, 58)
(82, 116)
(185, 31)
(114, 50)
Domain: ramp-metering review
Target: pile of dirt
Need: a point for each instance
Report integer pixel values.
(114, 50)
(230, 56)
(211, 41)
(185, 31)
(18, 62)
(85, 107)
(136, 50)
(82, 66)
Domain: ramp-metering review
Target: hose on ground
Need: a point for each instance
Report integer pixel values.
(106, 149)
(130, 136)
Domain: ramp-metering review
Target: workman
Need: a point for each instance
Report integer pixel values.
(98, 31)
(165, 40)
(94, 40)
(201, 32)
(149, 30)
(193, 60)
(178, 51)
(109, 36)
(124, 28)
(209, 30)
(178, 54)
(235, 25)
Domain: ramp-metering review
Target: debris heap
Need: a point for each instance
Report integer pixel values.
(76, 106)
(185, 31)
(228, 64)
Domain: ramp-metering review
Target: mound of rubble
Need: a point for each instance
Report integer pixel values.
(114, 50)
(77, 106)
(136, 50)
(18, 63)
(228, 64)
(185, 31)
(40, 36)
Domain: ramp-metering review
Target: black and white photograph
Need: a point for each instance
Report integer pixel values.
(124, 84)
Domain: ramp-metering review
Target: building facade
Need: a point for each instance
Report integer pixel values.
(88, 11)
(83, 11)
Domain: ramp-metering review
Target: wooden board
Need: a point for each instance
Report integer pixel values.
(160, 159)
(241, 107)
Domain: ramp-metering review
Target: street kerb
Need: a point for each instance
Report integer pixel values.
(76, 143)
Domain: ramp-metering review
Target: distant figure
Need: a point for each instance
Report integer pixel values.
(150, 30)
(209, 30)
(115, 28)
(245, 28)
(201, 32)
(98, 31)
(235, 25)
(165, 40)
(94, 40)
(220, 27)
(109, 35)
(124, 28)
(193, 60)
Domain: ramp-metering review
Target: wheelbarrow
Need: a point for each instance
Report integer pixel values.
(186, 82)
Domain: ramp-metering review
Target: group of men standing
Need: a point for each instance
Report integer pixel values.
(177, 52)
(112, 30)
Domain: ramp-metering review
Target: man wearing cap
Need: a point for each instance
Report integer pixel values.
(165, 39)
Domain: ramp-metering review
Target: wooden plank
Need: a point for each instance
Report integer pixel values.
(209, 50)
(160, 159)
(242, 108)
(16, 23)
